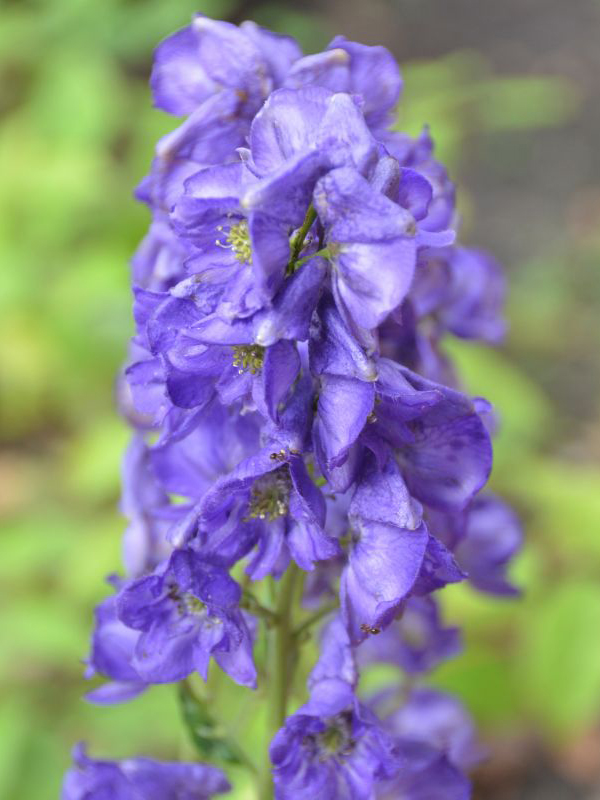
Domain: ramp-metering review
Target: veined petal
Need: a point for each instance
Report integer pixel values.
(334, 350)
(382, 496)
(285, 126)
(343, 409)
(382, 568)
(369, 295)
(179, 82)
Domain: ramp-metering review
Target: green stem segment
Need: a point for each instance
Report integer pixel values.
(281, 663)
(324, 253)
(304, 627)
(299, 238)
(251, 604)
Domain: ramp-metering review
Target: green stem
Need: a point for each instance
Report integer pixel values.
(299, 238)
(251, 604)
(281, 659)
(313, 619)
(323, 252)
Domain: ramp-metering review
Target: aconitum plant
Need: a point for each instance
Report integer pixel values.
(305, 473)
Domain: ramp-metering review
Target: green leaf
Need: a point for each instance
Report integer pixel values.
(559, 657)
(208, 736)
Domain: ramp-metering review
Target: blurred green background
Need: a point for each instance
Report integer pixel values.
(510, 94)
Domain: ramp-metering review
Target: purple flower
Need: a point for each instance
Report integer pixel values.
(309, 126)
(365, 227)
(275, 490)
(198, 354)
(438, 719)
(445, 453)
(145, 503)
(187, 612)
(416, 640)
(435, 434)
(462, 290)
(493, 536)
(370, 72)
(158, 261)
(231, 246)
(332, 748)
(484, 538)
(387, 546)
(293, 402)
(424, 774)
(211, 57)
(140, 779)
(111, 655)
(417, 154)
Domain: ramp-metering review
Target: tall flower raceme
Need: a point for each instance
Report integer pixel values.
(304, 465)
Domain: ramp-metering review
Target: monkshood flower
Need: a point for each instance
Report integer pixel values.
(145, 503)
(187, 612)
(140, 779)
(112, 653)
(158, 262)
(275, 492)
(332, 747)
(435, 433)
(485, 537)
(417, 154)
(358, 69)
(425, 773)
(363, 226)
(299, 426)
(335, 747)
(456, 290)
(219, 75)
(211, 58)
(438, 719)
(492, 537)
(391, 551)
(191, 356)
(416, 641)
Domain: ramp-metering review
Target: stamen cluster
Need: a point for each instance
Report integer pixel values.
(295, 415)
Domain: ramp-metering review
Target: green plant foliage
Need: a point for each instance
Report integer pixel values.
(559, 658)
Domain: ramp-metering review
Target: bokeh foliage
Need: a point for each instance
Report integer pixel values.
(76, 135)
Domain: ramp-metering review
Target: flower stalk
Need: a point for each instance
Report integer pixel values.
(295, 421)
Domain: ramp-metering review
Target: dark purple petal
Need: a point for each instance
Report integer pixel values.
(492, 537)
(285, 126)
(373, 74)
(438, 719)
(439, 568)
(416, 640)
(383, 564)
(414, 193)
(179, 82)
(334, 350)
(343, 409)
(381, 496)
(140, 778)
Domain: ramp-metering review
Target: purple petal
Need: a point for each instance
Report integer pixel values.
(382, 496)
(343, 409)
(382, 568)
(179, 82)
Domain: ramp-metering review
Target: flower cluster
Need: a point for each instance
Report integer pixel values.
(295, 415)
